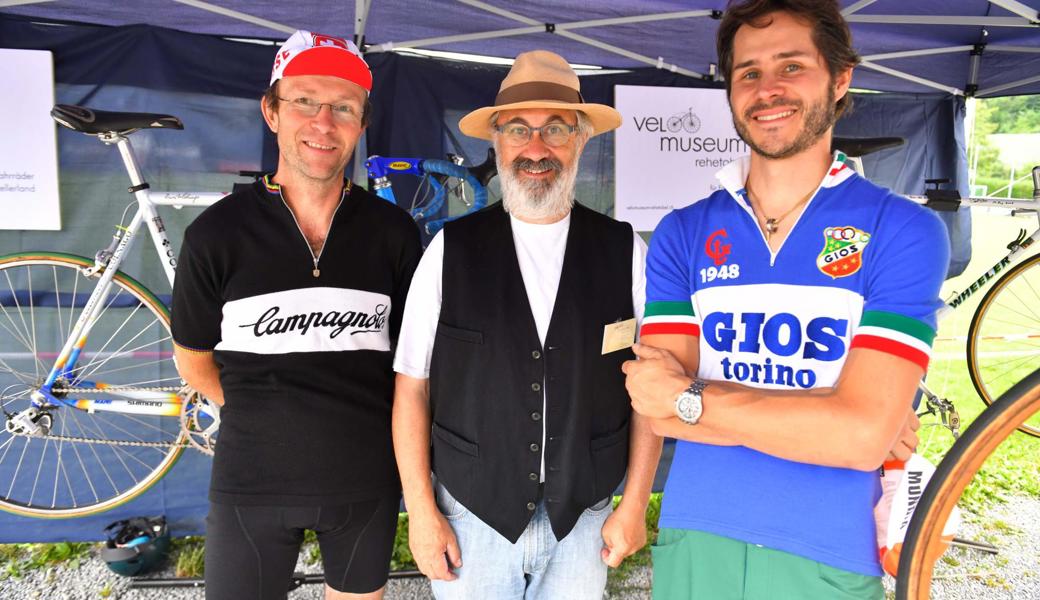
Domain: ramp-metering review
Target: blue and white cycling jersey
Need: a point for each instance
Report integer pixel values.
(861, 267)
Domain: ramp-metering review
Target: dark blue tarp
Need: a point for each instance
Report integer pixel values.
(214, 85)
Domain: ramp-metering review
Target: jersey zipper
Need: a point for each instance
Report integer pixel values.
(316, 272)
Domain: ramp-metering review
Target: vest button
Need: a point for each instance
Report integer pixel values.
(536, 354)
(532, 476)
(536, 386)
(534, 447)
(536, 416)
(530, 506)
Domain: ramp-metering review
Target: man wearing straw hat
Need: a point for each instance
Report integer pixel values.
(509, 387)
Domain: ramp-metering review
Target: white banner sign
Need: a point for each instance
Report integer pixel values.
(670, 144)
(28, 146)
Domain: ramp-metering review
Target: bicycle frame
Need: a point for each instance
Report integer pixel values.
(137, 402)
(1013, 255)
(947, 412)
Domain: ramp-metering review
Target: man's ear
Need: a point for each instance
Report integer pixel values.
(270, 115)
(842, 82)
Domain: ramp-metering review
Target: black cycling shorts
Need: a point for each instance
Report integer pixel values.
(251, 551)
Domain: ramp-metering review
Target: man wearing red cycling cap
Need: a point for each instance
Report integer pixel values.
(287, 302)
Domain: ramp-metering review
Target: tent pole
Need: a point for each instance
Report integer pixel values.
(937, 20)
(923, 52)
(536, 27)
(659, 63)
(973, 70)
(10, 3)
(1007, 86)
(1019, 9)
(449, 39)
(857, 7)
(913, 78)
(241, 16)
(996, 48)
(361, 12)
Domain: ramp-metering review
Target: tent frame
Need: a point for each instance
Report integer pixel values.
(1024, 17)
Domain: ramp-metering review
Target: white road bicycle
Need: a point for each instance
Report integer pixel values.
(95, 410)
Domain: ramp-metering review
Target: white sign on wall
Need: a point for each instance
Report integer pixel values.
(670, 144)
(28, 144)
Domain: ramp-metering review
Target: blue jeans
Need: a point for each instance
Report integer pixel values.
(536, 567)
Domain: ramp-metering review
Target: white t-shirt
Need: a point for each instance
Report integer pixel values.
(539, 250)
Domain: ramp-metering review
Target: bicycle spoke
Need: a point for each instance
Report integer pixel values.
(151, 363)
(17, 468)
(32, 321)
(121, 351)
(105, 469)
(39, 469)
(90, 459)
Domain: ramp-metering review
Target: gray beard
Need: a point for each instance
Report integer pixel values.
(536, 201)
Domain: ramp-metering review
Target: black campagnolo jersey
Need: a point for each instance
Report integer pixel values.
(304, 349)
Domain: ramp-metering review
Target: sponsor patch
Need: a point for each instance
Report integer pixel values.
(842, 253)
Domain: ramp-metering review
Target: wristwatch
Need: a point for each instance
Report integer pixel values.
(689, 404)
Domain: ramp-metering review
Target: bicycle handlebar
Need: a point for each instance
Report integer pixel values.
(379, 169)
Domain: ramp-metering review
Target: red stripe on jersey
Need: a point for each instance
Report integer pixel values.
(891, 347)
(670, 328)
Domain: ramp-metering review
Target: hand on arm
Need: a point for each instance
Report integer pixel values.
(200, 371)
(430, 537)
(624, 532)
(853, 425)
(665, 367)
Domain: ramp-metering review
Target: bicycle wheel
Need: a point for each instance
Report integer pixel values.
(922, 547)
(88, 461)
(1004, 337)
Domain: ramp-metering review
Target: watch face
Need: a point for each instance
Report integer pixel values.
(688, 407)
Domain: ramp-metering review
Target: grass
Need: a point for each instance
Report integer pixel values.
(18, 559)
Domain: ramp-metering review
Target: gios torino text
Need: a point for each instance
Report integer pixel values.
(270, 323)
(782, 334)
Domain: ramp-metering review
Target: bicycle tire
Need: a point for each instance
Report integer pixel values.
(41, 296)
(922, 547)
(1004, 337)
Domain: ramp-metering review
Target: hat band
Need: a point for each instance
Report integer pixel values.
(538, 90)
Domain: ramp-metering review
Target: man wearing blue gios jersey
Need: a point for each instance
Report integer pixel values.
(789, 318)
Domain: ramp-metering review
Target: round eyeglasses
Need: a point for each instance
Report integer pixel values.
(553, 134)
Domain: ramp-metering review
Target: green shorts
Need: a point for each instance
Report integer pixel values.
(693, 565)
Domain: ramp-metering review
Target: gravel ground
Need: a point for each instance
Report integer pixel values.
(1014, 574)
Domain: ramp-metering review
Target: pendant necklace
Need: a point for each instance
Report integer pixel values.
(772, 224)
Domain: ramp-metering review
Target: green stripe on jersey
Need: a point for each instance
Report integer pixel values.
(900, 323)
(656, 309)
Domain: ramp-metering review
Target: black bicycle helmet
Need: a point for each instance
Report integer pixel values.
(136, 545)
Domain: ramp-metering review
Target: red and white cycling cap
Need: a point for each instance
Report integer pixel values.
(306, 53)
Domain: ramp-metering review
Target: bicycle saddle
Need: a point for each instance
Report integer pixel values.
(88, 120)
(864, 146)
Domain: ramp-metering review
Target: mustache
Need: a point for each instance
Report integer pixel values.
(775, 104)
(547, 163)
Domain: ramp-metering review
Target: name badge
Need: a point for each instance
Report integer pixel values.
(618, 336)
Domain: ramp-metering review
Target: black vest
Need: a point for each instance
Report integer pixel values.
(488, 371)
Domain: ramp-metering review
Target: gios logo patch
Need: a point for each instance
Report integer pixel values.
(842, 253)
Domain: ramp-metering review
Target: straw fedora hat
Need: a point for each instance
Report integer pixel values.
(540, 79)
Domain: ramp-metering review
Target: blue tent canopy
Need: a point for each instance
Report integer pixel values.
(964, 47)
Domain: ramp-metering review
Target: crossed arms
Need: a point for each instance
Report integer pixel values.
(864, 419)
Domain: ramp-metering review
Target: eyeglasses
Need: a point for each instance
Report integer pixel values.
(553, 134)
(309, 107)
